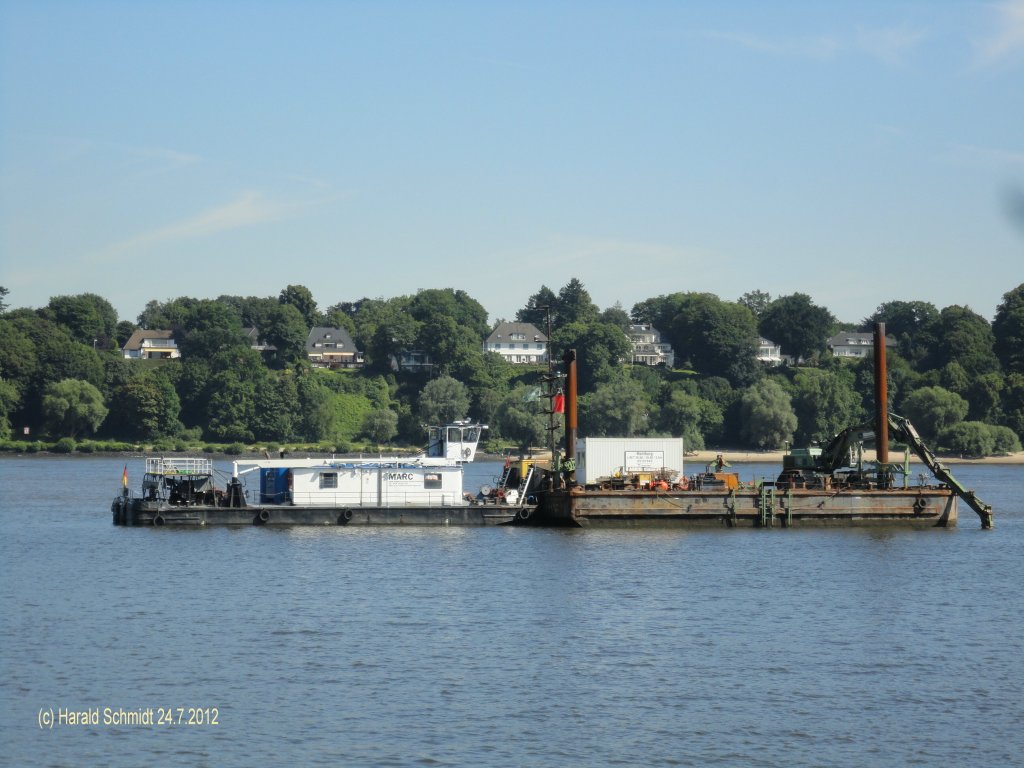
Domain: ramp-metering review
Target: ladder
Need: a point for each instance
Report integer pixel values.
(524, 484)
(766, 504)
(504, 474)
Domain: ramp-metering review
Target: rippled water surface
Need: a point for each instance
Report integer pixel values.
(495, 646)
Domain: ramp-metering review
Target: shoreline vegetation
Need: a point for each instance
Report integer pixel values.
(242, 375)
(21, 449)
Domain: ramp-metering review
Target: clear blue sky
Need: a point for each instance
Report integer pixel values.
(859, 152)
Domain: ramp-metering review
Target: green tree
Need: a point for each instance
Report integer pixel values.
(467, 312)
(1008, 330)
(3, 295)
(1006, 439)
(969, 438)
(600, 350)
(314, 411)
(756, 301)
(123, 331)
(451, 346)
(443, 400)
(825, 403)
(275, 412)
(913, 324)
(984, 398)
(341, 316)
(380, 425)
(1012, 403)
(385, 328)
(231, 408)
(767, 415)
(574, 304)
(520, 417)
(9, 399)
(284, 327)
(300, 297)
(537, 308)
(933, 410)
(716, 338)
(691, 417)
(620, 408)
(72, 406)
(147, 408)
(208, 328)
(168, 316)
(965, 338)
(19, 362)
(91, 319)
(797, 325)
(615, 315)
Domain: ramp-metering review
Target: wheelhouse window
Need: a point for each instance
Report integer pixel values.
(328, 479)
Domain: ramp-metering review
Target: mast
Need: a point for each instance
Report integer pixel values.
(569, 358)
(881, 409)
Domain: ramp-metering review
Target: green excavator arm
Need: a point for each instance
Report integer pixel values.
(835, 455)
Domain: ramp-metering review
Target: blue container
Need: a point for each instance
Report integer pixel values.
(274, 485)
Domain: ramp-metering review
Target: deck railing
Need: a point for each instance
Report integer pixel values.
(179, 466)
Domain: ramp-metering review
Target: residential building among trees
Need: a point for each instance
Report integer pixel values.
(648, 348)
(151, 345)
(332, 348)
(518, 343)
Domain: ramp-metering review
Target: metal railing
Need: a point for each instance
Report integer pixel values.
(179, 466)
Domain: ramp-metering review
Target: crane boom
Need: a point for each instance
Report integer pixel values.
(835, 455)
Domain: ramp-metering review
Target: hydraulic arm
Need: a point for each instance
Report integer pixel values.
(836, 454)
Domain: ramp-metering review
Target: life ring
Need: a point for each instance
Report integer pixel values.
(264, 515)
(684, 484)
(345, 516)
(158, 519)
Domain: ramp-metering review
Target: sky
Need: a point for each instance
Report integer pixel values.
(857, 152)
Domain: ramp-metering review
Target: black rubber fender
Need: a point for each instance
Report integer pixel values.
(264, 515)
(344, 516)
(158, 519)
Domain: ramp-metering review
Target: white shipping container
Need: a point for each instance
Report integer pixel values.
(606, 456)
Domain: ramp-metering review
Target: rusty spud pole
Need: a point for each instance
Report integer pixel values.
(881, 407)
(569, 358)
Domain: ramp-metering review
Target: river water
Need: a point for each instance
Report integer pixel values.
(503, 647)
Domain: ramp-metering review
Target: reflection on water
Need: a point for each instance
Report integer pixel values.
(494, 646)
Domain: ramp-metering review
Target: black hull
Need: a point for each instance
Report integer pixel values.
(139, 513)
(911, 508)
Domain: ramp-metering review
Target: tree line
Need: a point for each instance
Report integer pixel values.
(957, 376)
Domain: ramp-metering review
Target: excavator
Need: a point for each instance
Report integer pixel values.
(840, 462)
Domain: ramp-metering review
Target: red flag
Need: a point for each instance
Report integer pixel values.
(124, 477)
(559, 406)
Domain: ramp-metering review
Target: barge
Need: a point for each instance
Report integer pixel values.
(828, 486)
(420, 490)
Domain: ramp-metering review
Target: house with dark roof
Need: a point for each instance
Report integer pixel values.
(648, 348)
(332, 348)
(151, 345)
(519, 343)
(854, 344)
